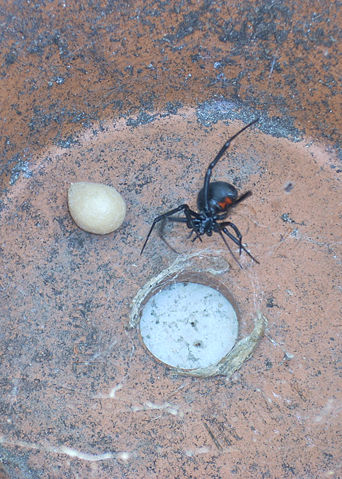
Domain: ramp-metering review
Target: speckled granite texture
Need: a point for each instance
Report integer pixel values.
(141, 96)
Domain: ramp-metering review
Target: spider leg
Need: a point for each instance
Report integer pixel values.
(216, 160)
(228, 247)
(224, 214)
(178, 219)
(196, 237)
(242, 197)
(237, 232)
(162, 237)
(236, 240)
(186, 220)
(189, 214)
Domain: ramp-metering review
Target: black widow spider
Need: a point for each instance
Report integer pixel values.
(213, 202)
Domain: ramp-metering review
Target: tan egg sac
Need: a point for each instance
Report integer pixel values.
(96, 208)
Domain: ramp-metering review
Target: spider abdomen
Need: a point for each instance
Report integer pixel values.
(220, 196)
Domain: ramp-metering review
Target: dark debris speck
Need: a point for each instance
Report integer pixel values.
(21, 167)
(142, 119)
(67, 142)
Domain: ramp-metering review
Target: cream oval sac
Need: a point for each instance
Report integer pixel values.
(96, 208)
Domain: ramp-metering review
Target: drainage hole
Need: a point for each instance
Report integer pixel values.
(189, 325)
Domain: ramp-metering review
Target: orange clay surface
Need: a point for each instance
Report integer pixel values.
(141, 95)
(83, 398)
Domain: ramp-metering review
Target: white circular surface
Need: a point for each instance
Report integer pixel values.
(189, 325)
